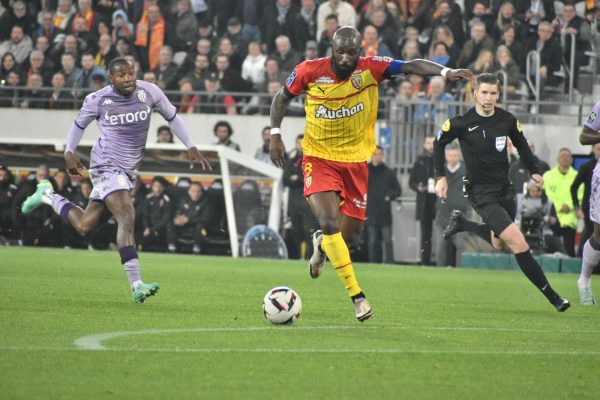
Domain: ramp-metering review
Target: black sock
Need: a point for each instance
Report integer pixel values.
(535, 274)
(361, 295)
(481, 230)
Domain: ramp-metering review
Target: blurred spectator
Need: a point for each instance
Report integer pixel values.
(234, 34)
(422, 181)
(505, 63)
(305, 25)
(481, 13)
(311, 50)
(345, 13)
(122, 28)
(188, 101)
(372, 45)
(34, 97)
(324, 38)
(533, 12)
(191, 218)
(69, 44)
(417, 13)
(91, 17)
(9, 92)
(166, 71)
(213, 101)
(200, 71)
(38, 64)
(73, 74)
(507, 16)
(8, 65)
(262, 153)
(252, 13)
(272, 73)
(87, 39)
(443, 34)
(63, 14)
(449, 17)
(59, 98)
(483, 63)
(574, 24)
(286, 56)
(203, 46)
(223, 132)
(155, 213)
(253, 67)
(439, 54)
(436, 110)
(512, 42)
(17, 15)
(47, 28)
(62, 186)
(164, 134)
(226, 48)
(582, 208)
(411, 34)
(383, 188)
(519, 174)
(42, 44)
(206, 31)
(411, 51)
(186, 26)
(386, 30)
(98, 82)
(8, 189)
(89, 69)
(230, 79)
(19, 44)
(150, 36)
(536, 217)
(278, 20)
(557, 183)
(479, 40)
(550, 54)
(445, 250)
(106, 51)
(149, 77)
(303, 221)
(222, 10)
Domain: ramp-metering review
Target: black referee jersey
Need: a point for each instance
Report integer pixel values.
(483, 142)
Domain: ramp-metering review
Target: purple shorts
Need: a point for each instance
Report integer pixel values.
(107, 180)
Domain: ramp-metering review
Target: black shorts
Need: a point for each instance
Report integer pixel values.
(496, 208)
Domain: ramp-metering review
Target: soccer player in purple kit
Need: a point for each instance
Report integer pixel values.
(590, 134)
(123, 111)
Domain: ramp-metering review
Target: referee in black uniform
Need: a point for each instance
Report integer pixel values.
(482, 133)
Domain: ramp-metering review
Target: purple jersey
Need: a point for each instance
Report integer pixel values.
(123, 123)
(593, 122)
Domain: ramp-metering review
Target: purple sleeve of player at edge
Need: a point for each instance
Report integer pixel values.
(88, 113)
(181, 132)
(593, 121)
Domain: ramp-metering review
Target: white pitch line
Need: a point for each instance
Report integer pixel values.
(317, 351)
(94, 341)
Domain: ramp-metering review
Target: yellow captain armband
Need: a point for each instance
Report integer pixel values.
(519, 127)
(446, 126)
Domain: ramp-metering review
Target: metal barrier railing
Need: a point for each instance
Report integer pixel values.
(571, 70)
(533, 57)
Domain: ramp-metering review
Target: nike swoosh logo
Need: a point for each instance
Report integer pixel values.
(473, 128)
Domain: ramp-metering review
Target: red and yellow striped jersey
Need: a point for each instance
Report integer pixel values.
(340, 115)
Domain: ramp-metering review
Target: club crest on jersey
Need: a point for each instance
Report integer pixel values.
(308, 181)
(500, 143)
(592, 117)
(142, 95)
(356, 81)
(291, 78)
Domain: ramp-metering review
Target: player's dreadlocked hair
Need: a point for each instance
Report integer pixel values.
(487, 77)
(117, 62)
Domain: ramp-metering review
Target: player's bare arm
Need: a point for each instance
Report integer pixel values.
(279, 106)
(425, 67)
(589, 136)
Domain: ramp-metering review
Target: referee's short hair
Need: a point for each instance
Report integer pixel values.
(488, 78)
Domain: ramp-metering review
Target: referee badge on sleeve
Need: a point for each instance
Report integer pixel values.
(519, 126)
(592, 117)
(446, 126)
(500, 143)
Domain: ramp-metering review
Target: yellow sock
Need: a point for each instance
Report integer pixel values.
(339, 256)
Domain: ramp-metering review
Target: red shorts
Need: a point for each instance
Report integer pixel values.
(349, 179)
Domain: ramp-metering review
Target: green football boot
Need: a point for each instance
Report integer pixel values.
(144, 290)
(35, 200)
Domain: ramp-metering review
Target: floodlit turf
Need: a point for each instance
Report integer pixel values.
(437, 333)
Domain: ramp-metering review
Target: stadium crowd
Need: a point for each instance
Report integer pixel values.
(210, 52)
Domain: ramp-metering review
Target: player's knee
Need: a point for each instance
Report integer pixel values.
(518, 244)
(329, 226)
(84, 229)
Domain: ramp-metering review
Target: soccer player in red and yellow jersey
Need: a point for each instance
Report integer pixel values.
(339, 138)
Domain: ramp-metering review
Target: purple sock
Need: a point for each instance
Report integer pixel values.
(131, 264)
(62, 206)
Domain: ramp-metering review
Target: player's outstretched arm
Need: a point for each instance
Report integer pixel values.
(279, 106)
(72, 163)
(194, 155)
(589, 136)
(426, 67)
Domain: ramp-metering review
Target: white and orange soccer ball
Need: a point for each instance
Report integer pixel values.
(282, 306)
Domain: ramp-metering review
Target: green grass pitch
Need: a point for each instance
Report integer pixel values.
(436, 333)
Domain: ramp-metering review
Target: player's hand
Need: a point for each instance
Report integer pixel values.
(580, 214)
(195, 155)
(441, 188)
(456, 74)
(538, 180)
(277, 150)
(74, 166)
